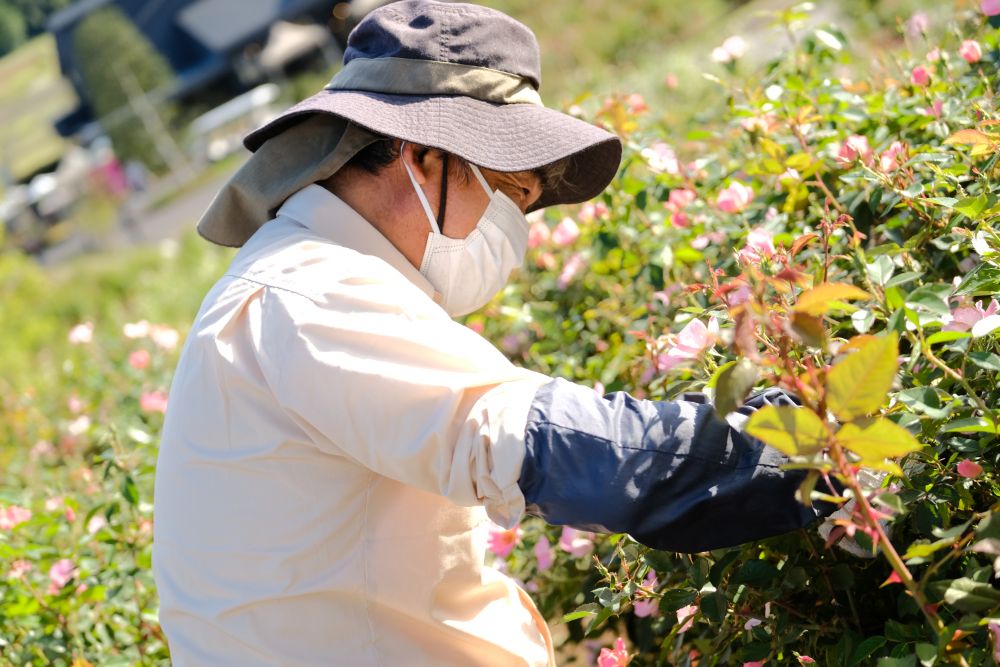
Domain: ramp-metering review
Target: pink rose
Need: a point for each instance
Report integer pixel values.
(661, 158)
(934, 55)
(570, 270)
(990, 7)
(139, 359)
(164, 337)
(855, 148)
(153, 401)
(806, 660)
(538, 234)
(575, 542)
(566, 232)
(701, 241)
(617, 657)
(544, 553)
(760, 246)
(680, 198)
(96, 523)
(648, 606)
(74, 404)
(735, 198)
(13, 516)
(636, 104)
(19, 568)
(733, 48)
(918, 24)
(995, 627)
(755, 663)
(965, 318)
(81, 334)
(501, 542)
(60, 574)
(889, 159)
(692, 341)
(920, 76)
(133, 330)
(969, 469)
(970, 51)
(593, 211)
(685, 617)
(752, 623)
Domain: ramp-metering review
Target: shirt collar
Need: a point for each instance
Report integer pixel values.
(328, 215)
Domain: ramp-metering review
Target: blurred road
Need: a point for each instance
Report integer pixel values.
(148, 224)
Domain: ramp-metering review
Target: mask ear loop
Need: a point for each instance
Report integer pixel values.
(482, 180)
(420, 193)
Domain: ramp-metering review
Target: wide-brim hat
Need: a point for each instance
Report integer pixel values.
(464, 79)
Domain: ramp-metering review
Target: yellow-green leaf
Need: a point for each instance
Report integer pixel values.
(859, 384)
(823, 297)
(971, 137)
(792, 431)
(877, 439)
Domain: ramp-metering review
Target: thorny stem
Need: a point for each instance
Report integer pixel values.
(817, 180)
(888, 550)
(925, 349)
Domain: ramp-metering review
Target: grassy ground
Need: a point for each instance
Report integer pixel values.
(32, 95)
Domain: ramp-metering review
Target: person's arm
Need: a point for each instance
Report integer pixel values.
(669, 473)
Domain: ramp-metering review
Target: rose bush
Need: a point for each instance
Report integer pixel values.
(831, 233)
(836, 238)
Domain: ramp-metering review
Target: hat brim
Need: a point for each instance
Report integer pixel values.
(501, 137)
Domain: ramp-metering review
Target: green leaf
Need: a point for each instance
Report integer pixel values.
(810, 329)
(971, 425)
(130, 491)
(792, 431)
(903, 278)
(930, 401)
(987, 360)
(714, 606)
(881, 270)
(968, 595)
(982, 279)
(732, 383)
(877, 439)
(926, 653)
(824, 297)
(931, 298)
(754, 573)
(906, 661)
(580, 613)
(971, 207)
(864, 650)
(859, 384)
(947, 337)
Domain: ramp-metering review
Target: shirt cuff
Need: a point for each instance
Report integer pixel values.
(501, 456)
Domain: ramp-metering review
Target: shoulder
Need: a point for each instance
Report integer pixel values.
(292, 259)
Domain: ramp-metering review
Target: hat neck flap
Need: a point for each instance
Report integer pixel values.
(305, 153)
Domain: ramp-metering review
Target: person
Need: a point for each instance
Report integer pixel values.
(336, 443)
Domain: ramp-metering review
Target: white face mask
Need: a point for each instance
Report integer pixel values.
(468, 272)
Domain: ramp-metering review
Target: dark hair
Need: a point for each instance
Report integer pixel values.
(379, 154)
(382, 152)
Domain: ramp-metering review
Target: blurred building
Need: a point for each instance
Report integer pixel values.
(236, 43)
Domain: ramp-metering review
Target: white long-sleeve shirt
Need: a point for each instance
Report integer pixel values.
(332, 447)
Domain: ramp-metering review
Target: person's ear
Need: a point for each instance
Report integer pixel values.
(415, 156)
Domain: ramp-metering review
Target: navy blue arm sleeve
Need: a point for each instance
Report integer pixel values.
(670, 473)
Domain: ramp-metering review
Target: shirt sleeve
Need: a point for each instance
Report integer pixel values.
(405, 392)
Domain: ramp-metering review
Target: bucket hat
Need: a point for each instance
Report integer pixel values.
(464, 79)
